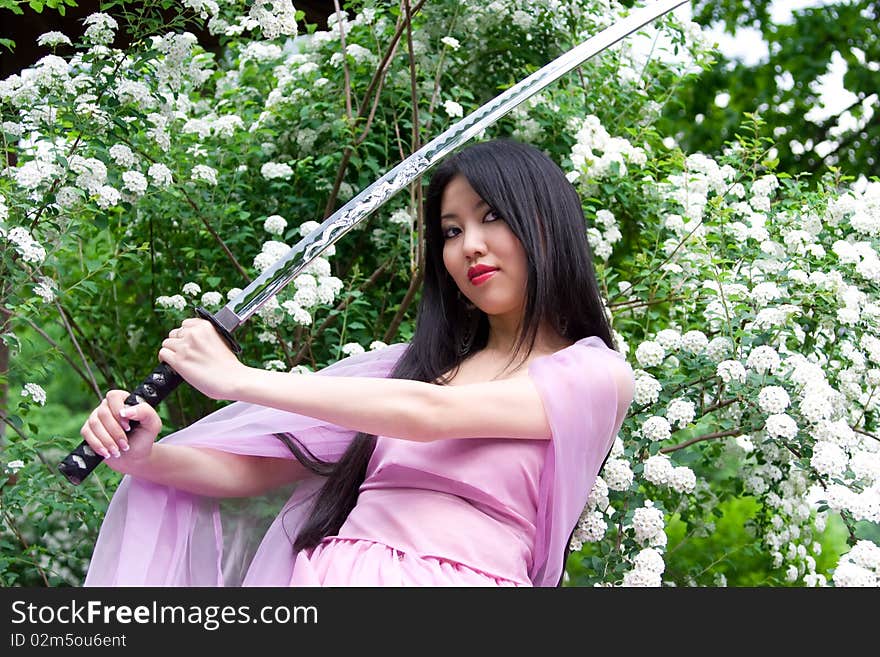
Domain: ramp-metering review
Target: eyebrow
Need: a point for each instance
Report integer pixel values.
(452, 215)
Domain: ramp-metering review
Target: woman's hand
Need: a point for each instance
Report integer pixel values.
(105, 431)
(197, 352)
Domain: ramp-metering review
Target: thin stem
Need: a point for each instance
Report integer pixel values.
(14, 528)
(47, 338)
(707, 436)
(78, 350)
(339, 22)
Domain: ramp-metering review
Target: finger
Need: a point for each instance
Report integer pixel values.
(113, 426)
(192, 321)
(146, 415)
(92, 440)
(108, 445)
(167, 356)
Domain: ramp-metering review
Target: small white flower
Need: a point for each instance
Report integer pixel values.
(276, 170)
(45, 289)
(191, 289)
(377, 344)
(134, 181)
(275, 224)
(656, 428)
(650, 354)
(731, 370)
(122, 155)
(647, 388)
(694, 342)
(53, 39)
(160, 174)
(773, 399)
(453, 109)
(204, 172)
(14, 466)
(452, 42)
(669, 339)
(401, 217)
(176, 302)
(352, 348)
(781, 425)
(211, 299)
(35, 392)
(680, 412)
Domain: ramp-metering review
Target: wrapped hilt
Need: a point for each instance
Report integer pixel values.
(156, 387)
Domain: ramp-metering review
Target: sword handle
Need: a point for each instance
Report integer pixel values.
(161, 382)
(157, 386)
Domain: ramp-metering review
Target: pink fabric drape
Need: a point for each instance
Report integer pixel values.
(155, 535)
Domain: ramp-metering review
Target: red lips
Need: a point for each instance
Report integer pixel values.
(478, 270)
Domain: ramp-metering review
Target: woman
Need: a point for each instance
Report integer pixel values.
(462, 458)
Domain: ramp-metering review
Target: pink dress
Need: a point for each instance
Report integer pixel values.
(446, 513)
(451, 512)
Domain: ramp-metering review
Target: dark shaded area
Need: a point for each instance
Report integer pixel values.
(26, 28)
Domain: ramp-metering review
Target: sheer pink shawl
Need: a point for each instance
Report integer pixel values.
(155, 535)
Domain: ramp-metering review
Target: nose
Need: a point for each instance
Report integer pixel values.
(474, 243)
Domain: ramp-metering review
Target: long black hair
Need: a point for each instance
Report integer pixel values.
(530, 192)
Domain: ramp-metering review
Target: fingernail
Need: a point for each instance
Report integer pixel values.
(122, 412)
(104, 453)
(126, 426)
(123, 445)
(116, 453)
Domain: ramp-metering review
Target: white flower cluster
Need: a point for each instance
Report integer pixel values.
(276, 171)
(649, 527)
(402, 217)
(352, 349)
(656, 428)
(14, 466)
(773, 399)
(211, 299)
(650, 354)
(275, 17)
(53, 39)
(691, 189)
(860, 566)
(275, 224)
(100, 29)
(648, 567)
(763, 360)
(660, 471)
(35, 392)
(453, 109)
(604, 234)
(27, 247)
(647, 389)
(680, 412)
(45, 289)
(205, 173)
(175, 302)
(695, 342)
(596, 153)
(618, 474)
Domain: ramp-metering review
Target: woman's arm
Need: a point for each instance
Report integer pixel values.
(211, 472)
(412, 410)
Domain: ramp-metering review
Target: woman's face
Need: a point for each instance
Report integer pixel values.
(483, 256)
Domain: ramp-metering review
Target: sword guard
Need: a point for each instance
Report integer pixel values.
(224, 333)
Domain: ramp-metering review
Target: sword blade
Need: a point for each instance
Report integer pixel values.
(288, 267)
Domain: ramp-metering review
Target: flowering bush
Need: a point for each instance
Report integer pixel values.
(152, 180)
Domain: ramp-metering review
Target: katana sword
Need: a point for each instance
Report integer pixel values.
(163, 380)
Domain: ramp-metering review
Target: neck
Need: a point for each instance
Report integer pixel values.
(503, 334)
